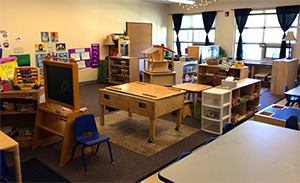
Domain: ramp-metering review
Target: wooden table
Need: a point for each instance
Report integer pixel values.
(10, 144)
(144, 99)
(192, 88)
(251, 152)
(293, 92)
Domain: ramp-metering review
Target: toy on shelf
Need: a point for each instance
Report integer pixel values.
(26, 77)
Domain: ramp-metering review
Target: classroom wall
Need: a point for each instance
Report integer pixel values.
(225, 26)
(78, 23)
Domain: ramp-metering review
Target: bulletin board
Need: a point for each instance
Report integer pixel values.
(80, 51)
(140, 36)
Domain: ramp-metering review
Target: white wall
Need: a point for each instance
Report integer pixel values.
(78, 23)
(225, 26)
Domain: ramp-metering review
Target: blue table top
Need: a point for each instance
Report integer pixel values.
(284, 113)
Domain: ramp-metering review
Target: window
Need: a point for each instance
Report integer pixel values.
(262, 35)
(192, 33)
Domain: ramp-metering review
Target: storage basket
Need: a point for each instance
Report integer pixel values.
(26, 107)
(124, 72)
(212, 61)
(8, 106)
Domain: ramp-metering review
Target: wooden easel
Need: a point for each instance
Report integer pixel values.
(51, 125)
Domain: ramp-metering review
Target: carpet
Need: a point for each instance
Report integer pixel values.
(34, 170)
(133, 132)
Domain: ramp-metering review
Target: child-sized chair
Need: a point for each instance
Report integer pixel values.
(291, 99)
(83, 124)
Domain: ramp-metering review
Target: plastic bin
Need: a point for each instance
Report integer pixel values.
(26, 107)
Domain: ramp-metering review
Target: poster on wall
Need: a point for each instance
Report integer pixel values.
(52, 54)
(45, 37)
(54, 37)
(81, 54)
(63, 55)
(39, 63)
(4, 39)
(60, 46)
(17, 38)
(40, 47)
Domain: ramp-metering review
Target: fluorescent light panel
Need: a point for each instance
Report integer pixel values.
(183, 1)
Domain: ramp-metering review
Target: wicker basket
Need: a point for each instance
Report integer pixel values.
(212, 61)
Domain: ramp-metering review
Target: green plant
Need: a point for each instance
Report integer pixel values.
(124, 32)
(222, 52)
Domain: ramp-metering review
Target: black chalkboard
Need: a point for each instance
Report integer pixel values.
(60, 84)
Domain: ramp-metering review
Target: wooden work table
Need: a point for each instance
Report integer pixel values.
(193, 88)
(9, 144)
(144, 99)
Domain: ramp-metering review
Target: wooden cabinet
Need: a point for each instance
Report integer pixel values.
(123, 70)
(245, 98)
(213, 73)
(24, 98)
(216, 110)
(284, 71)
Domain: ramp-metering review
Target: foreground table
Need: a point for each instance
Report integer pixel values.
(192, 88)
(251, 152)
(9, 144)
(144, 99)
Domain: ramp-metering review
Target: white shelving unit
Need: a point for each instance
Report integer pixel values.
(216, 110)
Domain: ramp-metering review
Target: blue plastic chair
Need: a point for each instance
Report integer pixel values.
(292, 123)
(210, 140)
(291, 99)
(3, 169)
(86, 123)
(183, 155)
(296, 82)
(227, 127)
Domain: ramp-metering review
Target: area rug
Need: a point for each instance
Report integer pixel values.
(133, 132)
(34, 170)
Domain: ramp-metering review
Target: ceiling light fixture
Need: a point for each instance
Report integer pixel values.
(187, 4)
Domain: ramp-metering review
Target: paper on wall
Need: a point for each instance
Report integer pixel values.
(85, 55)
(76, 56)
(81, 64)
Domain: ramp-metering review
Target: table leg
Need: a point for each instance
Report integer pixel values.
(17, 164)
(178, 118)
(194, 102)
(152, 130)
(252, 71)
(101, 115)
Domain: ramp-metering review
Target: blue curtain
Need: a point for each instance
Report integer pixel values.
(177, 19)
(286, 16)
(241, 16)
(208, 20)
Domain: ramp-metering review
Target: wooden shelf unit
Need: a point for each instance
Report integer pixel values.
(244, 87)
(115, 67)
(16, 118)
(211, 71)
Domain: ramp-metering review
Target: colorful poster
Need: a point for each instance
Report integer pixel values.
(63, 55)
(40, 47)
(45, 37)
(4, 39)
(52, 54)
(60, 46)
(39, 63)
(54, 37)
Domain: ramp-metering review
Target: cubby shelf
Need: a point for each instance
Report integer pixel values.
(115, 66)
(215, 74)
(245, 86)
